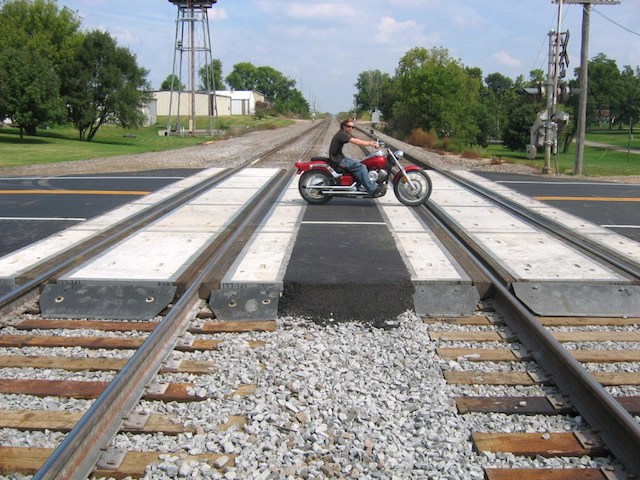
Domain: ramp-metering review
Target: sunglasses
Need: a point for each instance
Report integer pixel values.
(349, 126)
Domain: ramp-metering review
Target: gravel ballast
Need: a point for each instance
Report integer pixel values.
(341, 400)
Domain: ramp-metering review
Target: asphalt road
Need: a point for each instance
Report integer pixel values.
(32, 208)
(610, 205)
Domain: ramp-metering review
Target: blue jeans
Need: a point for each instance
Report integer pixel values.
(360, 172)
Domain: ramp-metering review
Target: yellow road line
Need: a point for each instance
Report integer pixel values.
(73, 192)
(591, 199)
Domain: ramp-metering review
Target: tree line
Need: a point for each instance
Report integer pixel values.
(283, 97)
(436, 93)
(51, 72)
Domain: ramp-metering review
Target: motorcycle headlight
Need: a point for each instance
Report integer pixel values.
(399, 153)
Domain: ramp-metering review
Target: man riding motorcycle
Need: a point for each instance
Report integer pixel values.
(338, 158)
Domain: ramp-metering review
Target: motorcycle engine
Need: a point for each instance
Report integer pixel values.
(379, 176)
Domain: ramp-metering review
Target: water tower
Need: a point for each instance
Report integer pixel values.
(192, 40)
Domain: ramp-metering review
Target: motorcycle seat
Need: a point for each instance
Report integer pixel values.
(336, 167)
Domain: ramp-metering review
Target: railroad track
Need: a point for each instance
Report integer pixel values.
(539, 357)
(150, 343)
(469, 350)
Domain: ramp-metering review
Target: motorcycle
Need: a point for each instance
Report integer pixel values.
(320, 181)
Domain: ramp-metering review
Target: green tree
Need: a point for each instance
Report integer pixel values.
(522, 111)
(370, 90)
(29, 89)
(103, 84)
(278, 90)
(242, 77)
(436, 94)
(172, 82)
(211, 76)
(605, 88)
(37, 39)
(629, 104)
(39, 25)
(516, 134)
(497, 98)
(294, 103)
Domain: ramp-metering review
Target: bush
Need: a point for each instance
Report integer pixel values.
(420, 138)
(471, 154)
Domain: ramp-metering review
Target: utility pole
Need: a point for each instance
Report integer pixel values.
(584, 74)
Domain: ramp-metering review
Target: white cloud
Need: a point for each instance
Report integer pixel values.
(389, 29)
(503, 58)
(218, 14)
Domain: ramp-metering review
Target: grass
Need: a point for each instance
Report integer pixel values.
(617, 137)
(62, 144)
(596, 162)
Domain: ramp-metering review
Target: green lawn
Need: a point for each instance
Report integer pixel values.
(596, 161)
(61, 144)
(620, 138)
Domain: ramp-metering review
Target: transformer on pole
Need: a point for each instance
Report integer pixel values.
(193, 39)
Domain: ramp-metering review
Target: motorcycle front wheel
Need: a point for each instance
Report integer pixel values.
(309, 183)
(416, 195)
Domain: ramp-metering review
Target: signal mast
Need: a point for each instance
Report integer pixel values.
(584, 72)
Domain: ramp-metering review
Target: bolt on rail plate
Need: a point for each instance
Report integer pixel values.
(105, 301)
(246, 303)
(572, 298)
(445, 299)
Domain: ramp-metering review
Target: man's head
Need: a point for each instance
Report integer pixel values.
(347, 125)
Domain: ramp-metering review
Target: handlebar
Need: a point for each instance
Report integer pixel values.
(379, 142)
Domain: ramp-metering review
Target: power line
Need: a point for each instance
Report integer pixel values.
(615, 23)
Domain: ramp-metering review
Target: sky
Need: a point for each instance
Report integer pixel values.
(324, 45)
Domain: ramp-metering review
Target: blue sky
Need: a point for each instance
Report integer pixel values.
(323, 45)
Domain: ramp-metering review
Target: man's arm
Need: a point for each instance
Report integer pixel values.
(363, 143)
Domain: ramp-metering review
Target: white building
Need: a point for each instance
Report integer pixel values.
(222, 103)
(243, 102)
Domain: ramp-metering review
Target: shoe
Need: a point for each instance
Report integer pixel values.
(380, 191)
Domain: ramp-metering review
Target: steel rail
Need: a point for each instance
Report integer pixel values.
(597, 250)
(43, 273)
(76, 457)
(618, 429)
(610, 256)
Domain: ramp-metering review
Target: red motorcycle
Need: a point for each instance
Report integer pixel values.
(320, 181)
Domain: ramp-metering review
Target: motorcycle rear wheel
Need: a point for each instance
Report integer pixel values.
(420, 191)
(314, 178)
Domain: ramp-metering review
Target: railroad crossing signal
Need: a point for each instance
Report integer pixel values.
(584, 73)
(563, 54)
(563, 92)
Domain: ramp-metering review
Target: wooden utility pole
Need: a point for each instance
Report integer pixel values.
(584, 73)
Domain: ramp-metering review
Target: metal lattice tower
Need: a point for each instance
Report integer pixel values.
(193, 39)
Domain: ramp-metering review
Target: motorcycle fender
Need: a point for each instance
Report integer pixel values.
(409, 168)
(306, 166)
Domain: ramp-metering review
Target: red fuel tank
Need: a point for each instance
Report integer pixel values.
(374, 163)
